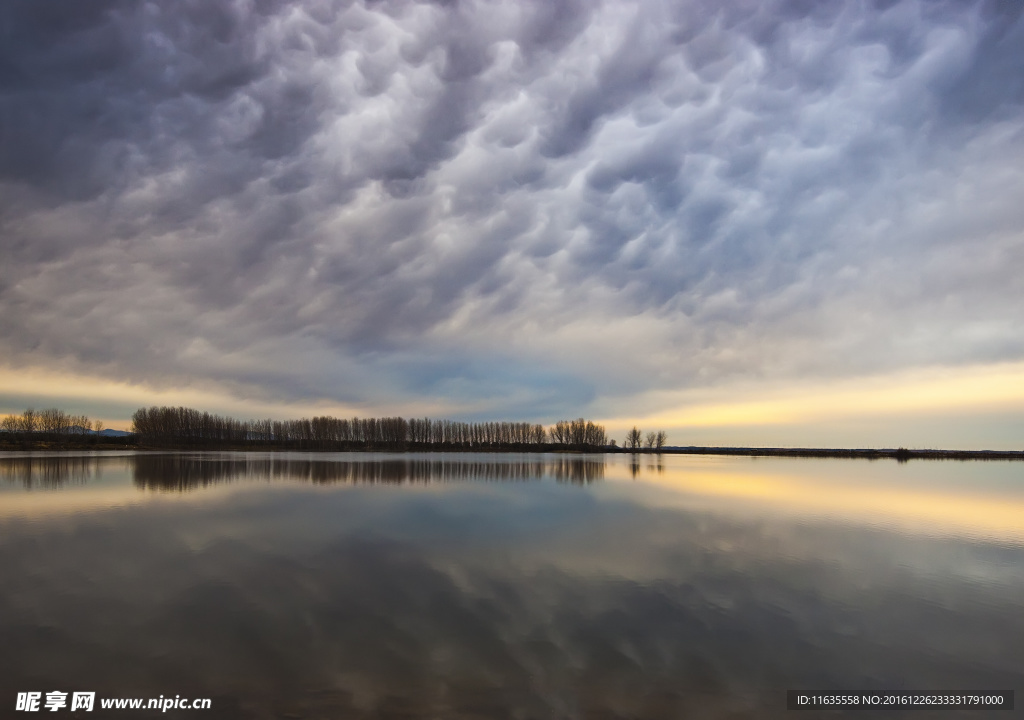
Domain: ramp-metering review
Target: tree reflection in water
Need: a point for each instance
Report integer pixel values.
(187, 472)
(51, 471)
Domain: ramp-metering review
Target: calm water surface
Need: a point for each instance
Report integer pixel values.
(506, 586)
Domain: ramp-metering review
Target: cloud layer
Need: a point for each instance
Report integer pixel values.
(526, 208)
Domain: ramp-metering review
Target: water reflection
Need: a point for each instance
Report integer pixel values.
(50, 472)
(187, 472)
(983, 499)
(976, 499)
(396, 586)
(183, 472)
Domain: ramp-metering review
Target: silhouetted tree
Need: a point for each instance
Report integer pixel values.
(53, 421)
(634, 438)
(577, 433)
(29, 421)
(11, 424)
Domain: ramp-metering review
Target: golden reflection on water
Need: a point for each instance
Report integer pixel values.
(972, 499)
(854, 491)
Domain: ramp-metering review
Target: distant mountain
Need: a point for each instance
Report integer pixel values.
(77, 430)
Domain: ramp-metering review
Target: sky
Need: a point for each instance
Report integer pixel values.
(774, 222)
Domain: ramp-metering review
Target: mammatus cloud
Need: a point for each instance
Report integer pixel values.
(524, 208)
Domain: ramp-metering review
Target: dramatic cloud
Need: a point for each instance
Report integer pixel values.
(514, 208)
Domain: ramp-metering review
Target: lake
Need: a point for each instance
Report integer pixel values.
(361, 585)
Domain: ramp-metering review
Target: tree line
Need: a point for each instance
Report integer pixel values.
(181, 426)
(48, 424)
(187, 426)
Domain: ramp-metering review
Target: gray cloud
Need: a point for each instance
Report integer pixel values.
(467, 202)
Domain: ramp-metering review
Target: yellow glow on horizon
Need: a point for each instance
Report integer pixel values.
(986, 388)
(936, 391)
(929, 511)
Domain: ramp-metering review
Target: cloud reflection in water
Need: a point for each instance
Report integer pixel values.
(356, 597)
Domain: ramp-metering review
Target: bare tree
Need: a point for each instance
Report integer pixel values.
(650, 439)
(633, 438)
(29, 421)
(11, 424)
(52, 420)
(80, 424)
(660, 440)
(539, 435)
(560, 432)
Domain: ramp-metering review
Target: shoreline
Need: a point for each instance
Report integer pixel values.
(898, 454)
